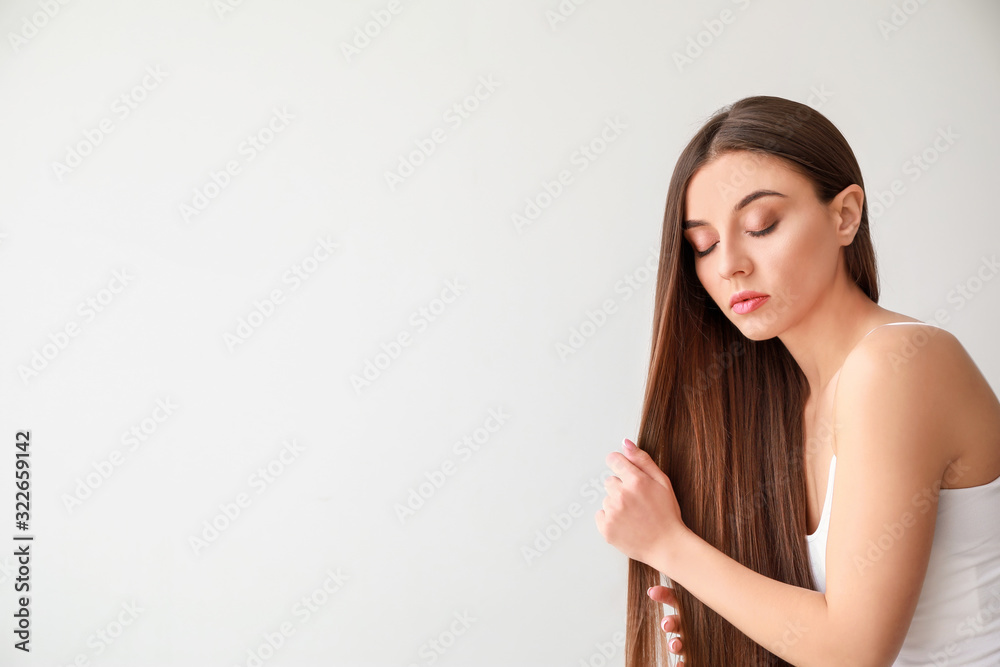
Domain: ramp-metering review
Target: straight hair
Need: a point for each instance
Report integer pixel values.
(722, 414)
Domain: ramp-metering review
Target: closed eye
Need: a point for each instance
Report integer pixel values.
(762, 232)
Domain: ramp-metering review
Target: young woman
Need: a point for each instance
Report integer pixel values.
(817, 476)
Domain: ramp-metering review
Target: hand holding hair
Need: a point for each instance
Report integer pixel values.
(671, 622)
(640, 515)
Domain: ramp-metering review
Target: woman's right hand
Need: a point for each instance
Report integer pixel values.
(671, 623)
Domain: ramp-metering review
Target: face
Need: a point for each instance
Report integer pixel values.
(755, 224)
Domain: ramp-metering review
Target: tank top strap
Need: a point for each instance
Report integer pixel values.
(887, 324)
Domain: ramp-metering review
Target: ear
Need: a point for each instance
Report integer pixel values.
(846, 210)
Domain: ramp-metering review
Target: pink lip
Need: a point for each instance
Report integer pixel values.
(746, 300)
(747, 305)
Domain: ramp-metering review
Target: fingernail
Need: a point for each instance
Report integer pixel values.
(649, 591)
(673, 645)
(663, 623)
(629, 445)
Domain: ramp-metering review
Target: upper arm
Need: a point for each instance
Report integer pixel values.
(892, 449)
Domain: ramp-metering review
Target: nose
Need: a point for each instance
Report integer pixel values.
(733, 259)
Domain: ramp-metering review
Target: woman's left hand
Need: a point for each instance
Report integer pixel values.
(640, 515)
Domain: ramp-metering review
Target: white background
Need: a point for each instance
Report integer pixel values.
(334, 507)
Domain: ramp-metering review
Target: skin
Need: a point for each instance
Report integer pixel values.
(671, 622)
(900, 429)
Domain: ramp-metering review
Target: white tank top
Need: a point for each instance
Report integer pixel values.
(957, 619)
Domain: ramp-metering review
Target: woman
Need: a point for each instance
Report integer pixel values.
(817, 476)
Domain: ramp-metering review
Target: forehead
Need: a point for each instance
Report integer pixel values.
(718, 185)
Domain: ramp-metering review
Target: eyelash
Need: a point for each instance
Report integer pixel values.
(763, 232)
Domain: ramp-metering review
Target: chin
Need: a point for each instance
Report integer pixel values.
(756, 330)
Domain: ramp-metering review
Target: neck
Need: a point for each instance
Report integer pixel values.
(822, 339)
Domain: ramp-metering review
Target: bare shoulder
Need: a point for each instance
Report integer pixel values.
(915, 348)
(923, 375)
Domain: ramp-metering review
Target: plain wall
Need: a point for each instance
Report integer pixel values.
(473, 406)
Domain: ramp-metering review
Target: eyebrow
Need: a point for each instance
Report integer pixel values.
(757, 194)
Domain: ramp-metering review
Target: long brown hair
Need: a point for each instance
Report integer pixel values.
(722, 414)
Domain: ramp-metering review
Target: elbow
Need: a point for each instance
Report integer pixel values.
(876, 658)
(858, 643)
(850, 657)
(846, 637)
(859, 649)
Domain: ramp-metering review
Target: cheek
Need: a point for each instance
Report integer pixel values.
(786, 259)
(718, 290)
(798, 269)
(705, 277)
